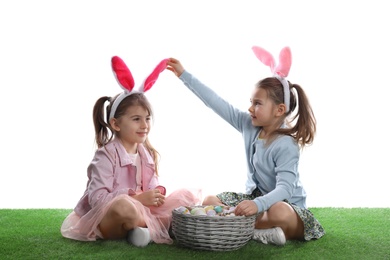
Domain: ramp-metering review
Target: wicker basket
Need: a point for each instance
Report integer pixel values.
(214, 233)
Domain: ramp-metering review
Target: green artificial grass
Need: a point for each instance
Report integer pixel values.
(352, 233)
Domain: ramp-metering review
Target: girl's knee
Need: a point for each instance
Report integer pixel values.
(281, 206)
(284, 216)
(125, 213)
(124, 209)
(211, 200)
(280, 212)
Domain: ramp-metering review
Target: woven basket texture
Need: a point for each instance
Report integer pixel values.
(214, 233)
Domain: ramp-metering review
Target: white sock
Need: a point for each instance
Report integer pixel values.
(139, 237)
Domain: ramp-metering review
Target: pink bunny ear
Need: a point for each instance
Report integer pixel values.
(152, 78)
(281, 71)
(122, 73)
(126, 80)
(264, 56)
(285, 60)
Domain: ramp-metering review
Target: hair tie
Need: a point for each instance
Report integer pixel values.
(126, 81)
(281, 71)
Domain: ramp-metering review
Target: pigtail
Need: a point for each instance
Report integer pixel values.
(103, 133)
(304, 127)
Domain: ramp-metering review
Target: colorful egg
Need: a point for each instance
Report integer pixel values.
(209, 207)
(183, 210)
(211, 212)
(199, 212)
(232, 209)
(218, 209)
(193, 211)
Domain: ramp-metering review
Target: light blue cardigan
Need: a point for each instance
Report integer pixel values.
(273, 169)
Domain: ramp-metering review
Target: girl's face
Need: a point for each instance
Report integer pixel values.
(262, 110)
(133, 127)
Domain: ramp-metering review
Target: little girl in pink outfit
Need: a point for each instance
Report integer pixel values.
(123, 197)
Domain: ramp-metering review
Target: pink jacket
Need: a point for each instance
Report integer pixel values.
(112, 172)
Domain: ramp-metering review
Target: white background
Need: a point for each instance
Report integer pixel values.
(55, 63)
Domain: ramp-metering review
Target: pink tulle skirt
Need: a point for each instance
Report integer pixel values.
(157, 219)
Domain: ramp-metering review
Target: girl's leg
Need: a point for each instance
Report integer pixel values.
(284, 216)
(121, 217)
(212, 200)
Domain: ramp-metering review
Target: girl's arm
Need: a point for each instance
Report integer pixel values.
(211, 99)
(101, 175)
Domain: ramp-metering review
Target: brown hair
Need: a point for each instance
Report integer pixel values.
(103, 131)
(304, 128)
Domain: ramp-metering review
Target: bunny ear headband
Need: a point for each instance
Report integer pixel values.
(126, 80)
(281, 71)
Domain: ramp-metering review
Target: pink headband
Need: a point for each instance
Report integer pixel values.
(281, 71)
(126, 80)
